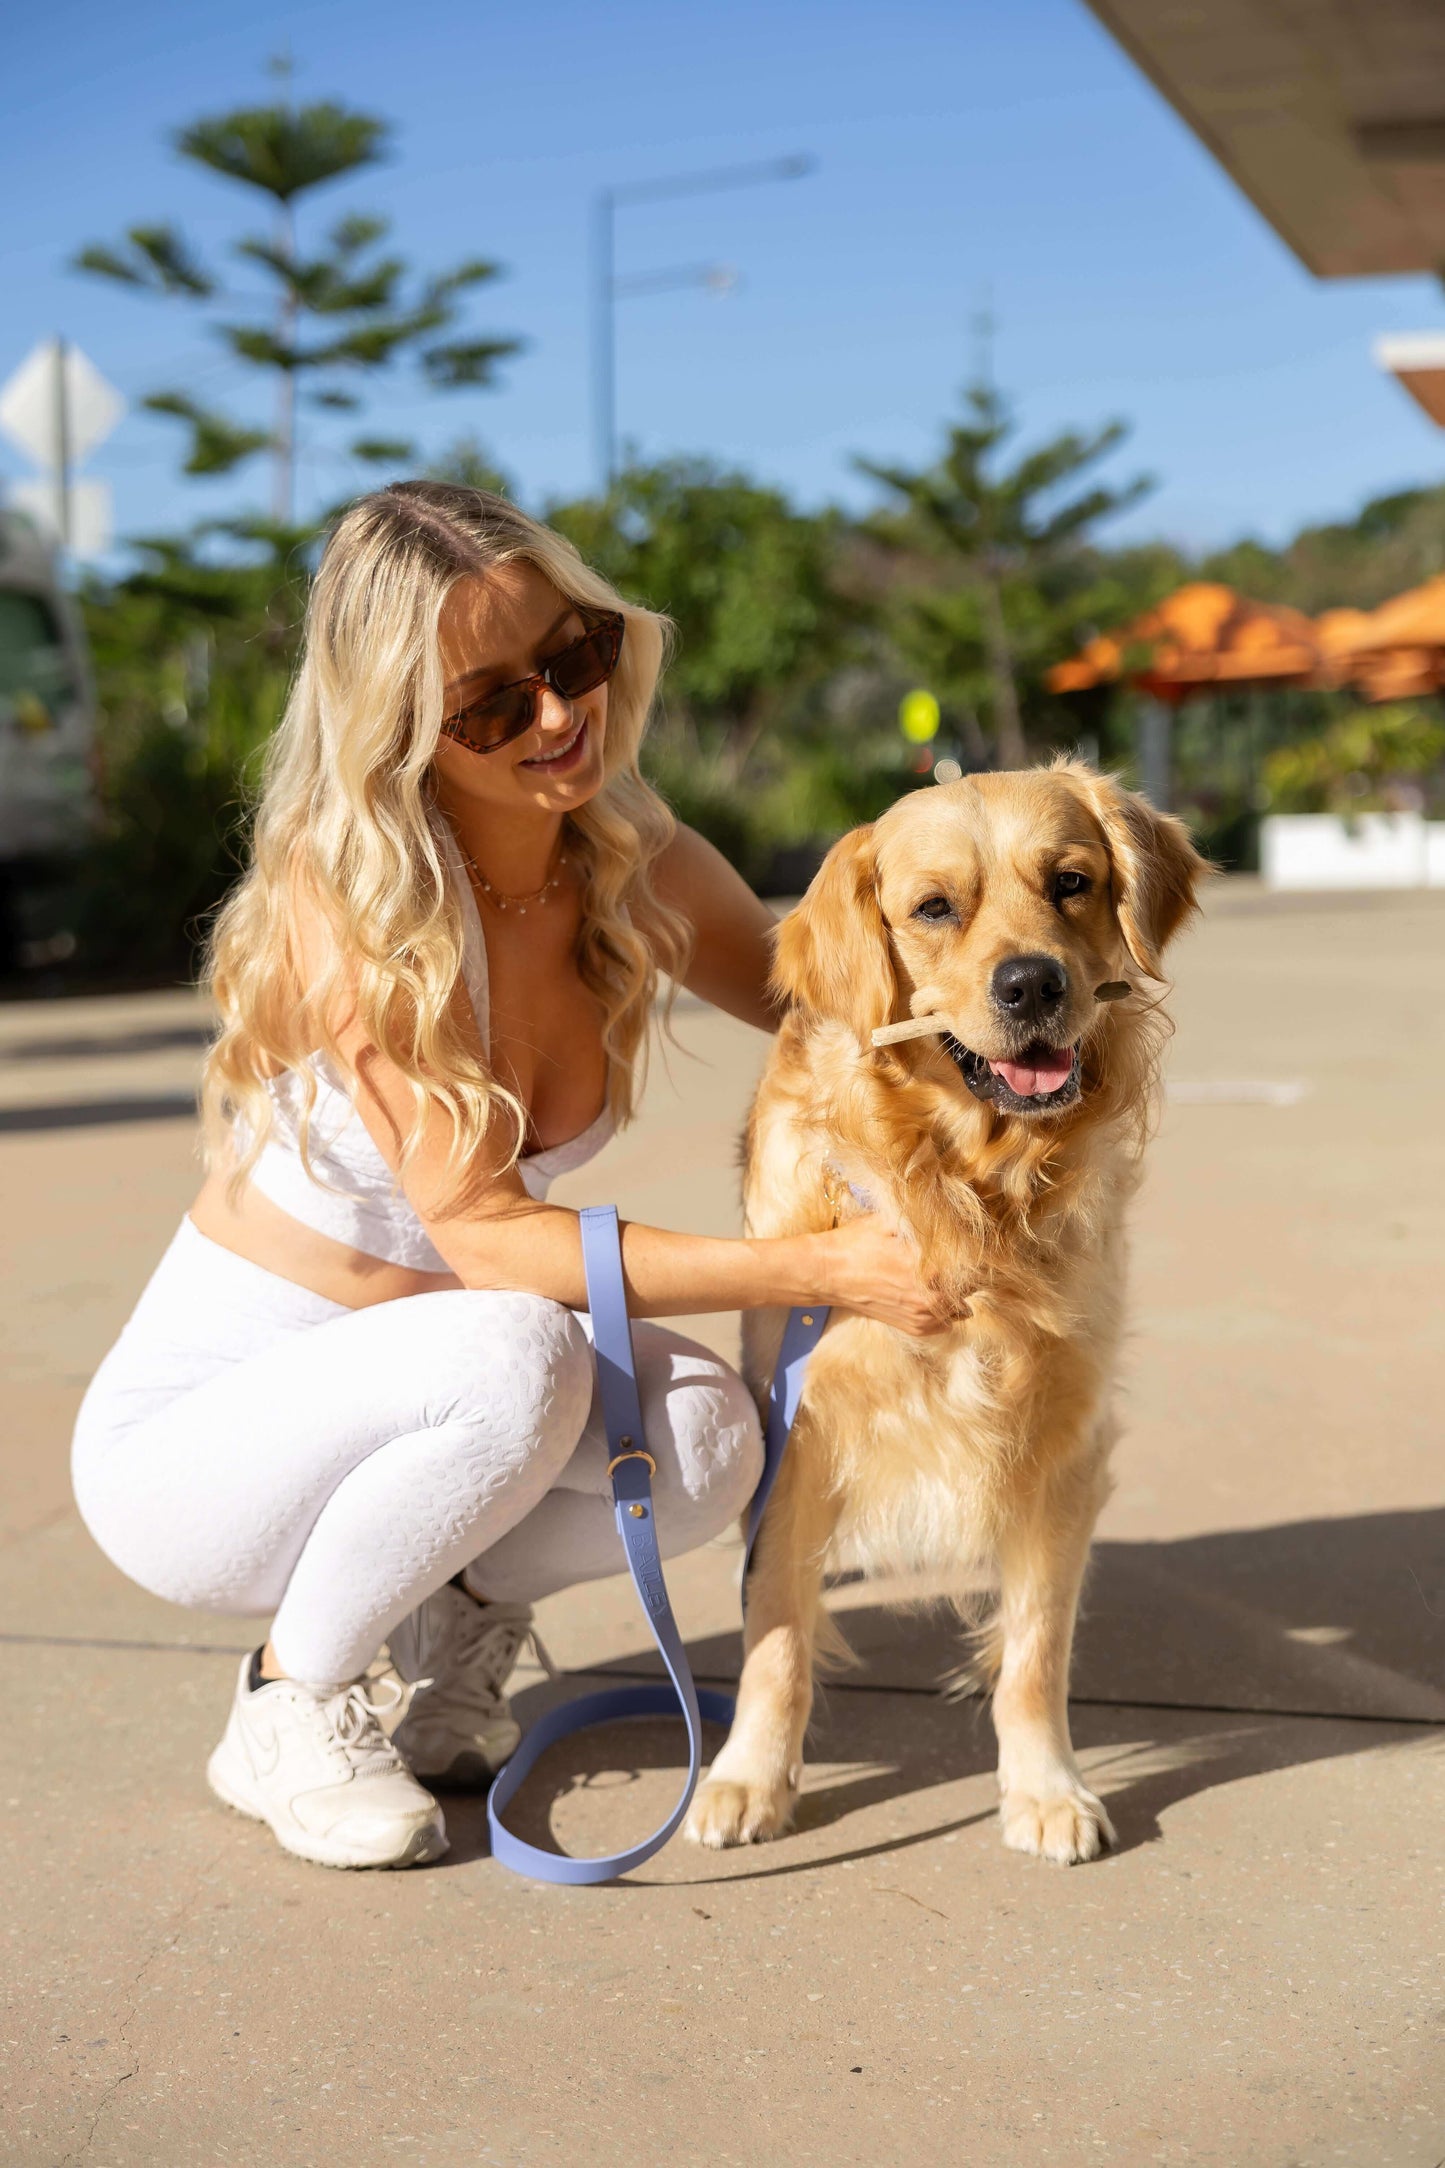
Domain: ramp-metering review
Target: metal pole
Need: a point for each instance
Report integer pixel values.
(604, 339)
(604, 336)
(1154, 722)
(60, 414)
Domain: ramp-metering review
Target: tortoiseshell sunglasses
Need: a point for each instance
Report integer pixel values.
(510, 711)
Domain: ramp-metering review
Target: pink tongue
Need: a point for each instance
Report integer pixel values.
(1048, 1075)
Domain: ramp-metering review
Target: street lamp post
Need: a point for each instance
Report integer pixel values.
(607, 289)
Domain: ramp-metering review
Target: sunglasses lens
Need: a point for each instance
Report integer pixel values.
(512, 709)
(589, 662)
(493, 722)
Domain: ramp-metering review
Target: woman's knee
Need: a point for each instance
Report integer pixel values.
(702, 1416)
(519, 1361)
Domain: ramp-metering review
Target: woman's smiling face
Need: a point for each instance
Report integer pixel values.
(497, 628)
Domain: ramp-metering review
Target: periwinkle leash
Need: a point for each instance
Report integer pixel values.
(632, 1468)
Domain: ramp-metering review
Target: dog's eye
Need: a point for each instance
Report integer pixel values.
(933, 907)
(1070, 884)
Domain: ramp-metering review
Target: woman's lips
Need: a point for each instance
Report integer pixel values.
(569, 757)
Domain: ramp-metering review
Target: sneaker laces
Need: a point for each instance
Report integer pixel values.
(355, 1724)
(485, 1649)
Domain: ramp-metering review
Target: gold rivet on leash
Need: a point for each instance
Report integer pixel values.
(637, 1512)
(807, 1317)
(1113, 990)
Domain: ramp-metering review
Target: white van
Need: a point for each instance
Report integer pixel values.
(48, 799)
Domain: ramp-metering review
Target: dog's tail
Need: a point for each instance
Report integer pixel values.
(832, 1652)
(975, 1675)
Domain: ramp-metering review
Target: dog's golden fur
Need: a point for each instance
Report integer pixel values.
(987, 1443)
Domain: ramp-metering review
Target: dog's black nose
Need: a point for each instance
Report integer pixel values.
(1028, 989)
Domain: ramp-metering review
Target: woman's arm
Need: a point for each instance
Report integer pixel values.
(493, 1235)
(514, 1242)
(733, 949)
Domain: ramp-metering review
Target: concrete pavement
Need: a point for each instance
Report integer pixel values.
(1254, 1978)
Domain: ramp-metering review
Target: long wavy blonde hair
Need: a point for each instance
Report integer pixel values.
(347, 813)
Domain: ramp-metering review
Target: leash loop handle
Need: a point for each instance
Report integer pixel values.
(632, 1468)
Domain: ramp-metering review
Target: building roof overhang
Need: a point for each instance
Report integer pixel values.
(1330, 115)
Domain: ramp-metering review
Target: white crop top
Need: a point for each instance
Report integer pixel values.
(372, 1212)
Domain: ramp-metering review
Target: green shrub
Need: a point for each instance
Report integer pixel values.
(795, 795)
(173, 816)
(1359, 763)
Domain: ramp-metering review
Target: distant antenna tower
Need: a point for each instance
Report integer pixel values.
(983, 325)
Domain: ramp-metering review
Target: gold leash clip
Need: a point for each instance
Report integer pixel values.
(835, 1188)
(634, 1452)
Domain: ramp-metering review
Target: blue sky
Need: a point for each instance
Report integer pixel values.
(965, 153)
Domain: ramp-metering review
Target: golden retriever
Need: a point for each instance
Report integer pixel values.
(1007, 1149)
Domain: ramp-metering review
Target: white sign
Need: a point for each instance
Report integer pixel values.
(90, 512)
(1411, 350)
(1416, 360)
(45, 405)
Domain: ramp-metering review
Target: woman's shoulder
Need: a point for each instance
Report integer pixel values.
(682, 863)
(318, 946)
(326, 967)
(694, 877)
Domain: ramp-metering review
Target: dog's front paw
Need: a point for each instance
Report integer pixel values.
(1066, 1825)
(732, 1811)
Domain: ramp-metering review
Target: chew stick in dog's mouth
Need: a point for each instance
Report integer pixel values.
(919, 1027)
(914, 1027)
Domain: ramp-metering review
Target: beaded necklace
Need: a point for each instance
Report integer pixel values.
(518, 904)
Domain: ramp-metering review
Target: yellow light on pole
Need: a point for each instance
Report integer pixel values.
(918, 717)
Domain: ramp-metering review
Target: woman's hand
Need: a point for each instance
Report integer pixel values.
(864, 1266)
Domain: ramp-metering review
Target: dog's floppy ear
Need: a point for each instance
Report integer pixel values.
(1156, 869)
(833, 955)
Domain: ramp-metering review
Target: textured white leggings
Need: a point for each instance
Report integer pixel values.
(248, 1446)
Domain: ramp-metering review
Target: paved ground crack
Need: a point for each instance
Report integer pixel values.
(77, 2153)
(123, 2025)
(36, 1528)
(886, 1889)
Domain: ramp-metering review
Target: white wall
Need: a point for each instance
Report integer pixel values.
(1373, 850)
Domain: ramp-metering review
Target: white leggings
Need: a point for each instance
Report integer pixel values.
(248, 1446)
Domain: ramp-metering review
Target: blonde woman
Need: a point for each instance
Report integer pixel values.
(357, 1395)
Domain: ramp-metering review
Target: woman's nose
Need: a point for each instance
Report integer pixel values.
(554, 713)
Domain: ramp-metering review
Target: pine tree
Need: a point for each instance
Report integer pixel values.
(1001, 526)
(337, 312)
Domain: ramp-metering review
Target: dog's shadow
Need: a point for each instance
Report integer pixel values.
(1200, 1663)
(618, 1781)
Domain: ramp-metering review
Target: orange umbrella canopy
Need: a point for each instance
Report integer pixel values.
(1397, 673)
(1339, 632)
(1414, 619)
(1202, 635)
(1392, 653)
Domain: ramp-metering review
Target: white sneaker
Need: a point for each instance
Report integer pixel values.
(321, 1771)
(458, 1655)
